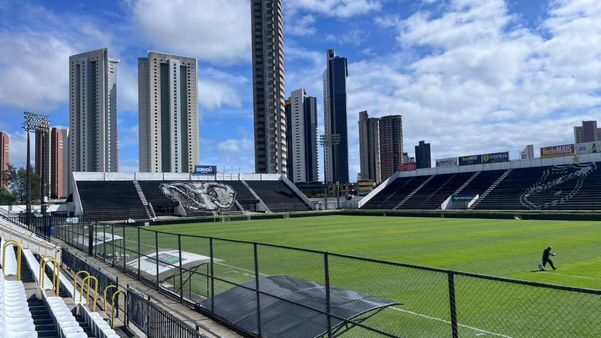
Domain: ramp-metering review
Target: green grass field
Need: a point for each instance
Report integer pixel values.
(507, 248)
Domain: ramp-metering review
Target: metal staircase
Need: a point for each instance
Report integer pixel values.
(413, 192)
(493, 186)
(147, 206)
(469, 180)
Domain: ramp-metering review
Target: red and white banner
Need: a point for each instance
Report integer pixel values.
(557, 151)
(411, 166)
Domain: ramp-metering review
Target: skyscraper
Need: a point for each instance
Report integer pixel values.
(4, 157)
(167, 113)
(391, 144)
(528, 152)
(93, 144)
(588, 132)
(369, 148)
(301, 114)
(335, 125)
(268, 86)
(422, 155)
(42, 159)
(59, 173)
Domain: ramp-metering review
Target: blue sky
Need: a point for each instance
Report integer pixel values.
(469, 76)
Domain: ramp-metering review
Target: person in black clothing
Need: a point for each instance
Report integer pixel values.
(546, 258)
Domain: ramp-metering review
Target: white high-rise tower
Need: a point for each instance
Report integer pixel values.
(168, 113)
(93, 142)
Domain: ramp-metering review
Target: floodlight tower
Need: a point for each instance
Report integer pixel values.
(329, 140)
(39, 123)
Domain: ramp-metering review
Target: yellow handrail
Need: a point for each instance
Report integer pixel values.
(56, 282)
(88, 279)
(113, 308)
(19, 252)
(75, 281)
(105, 293)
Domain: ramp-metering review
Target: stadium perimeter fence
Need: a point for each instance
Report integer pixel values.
(430, 302)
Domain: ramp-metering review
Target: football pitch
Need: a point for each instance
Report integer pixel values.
(484, 307)
(508, 248)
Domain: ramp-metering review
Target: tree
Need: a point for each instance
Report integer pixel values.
(17, 183)
(6, 197)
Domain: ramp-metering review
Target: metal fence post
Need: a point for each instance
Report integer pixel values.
(90, 240)
(212, 276)
(113, 244)
(181, 275)
(453, 305)
(139, 253)
(326, 267)
(258, 293)
(123, 241)
(156, 241)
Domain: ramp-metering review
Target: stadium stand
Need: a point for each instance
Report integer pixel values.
(278, 196)
(394, 193)
(433, 193)
(117, 196)
(566, 185)
(103, 201)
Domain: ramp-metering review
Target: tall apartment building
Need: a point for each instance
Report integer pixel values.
(588, 132)
(301, 135)
(391, 144)
(528, 152)
(42, 159)
(369, 148)
(423, 157)
(167, 113)
(4, 157)
(51, 158)
(335, 124)
(268, 86)
(59, 159)
(93, 143)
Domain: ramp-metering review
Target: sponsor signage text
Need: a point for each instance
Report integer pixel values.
(557, 151)
(205, 170)
(446, 162)
(495, 157)
(411, 166)
(469, 160)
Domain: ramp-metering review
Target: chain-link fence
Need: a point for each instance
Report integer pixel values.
(419, 301)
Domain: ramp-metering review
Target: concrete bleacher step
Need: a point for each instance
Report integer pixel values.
(82, 323)
(42, 318)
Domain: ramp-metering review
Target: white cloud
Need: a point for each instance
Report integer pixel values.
(236, 146)
(217, 89)
(337, 8)
(486, 83)
(34, 56)
(302, 26)
(216, 31)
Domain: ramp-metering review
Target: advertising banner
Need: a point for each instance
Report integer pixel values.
(205, 170)
(495, 157)
(411, 166)
(588, 148)
(469, 160)
(446, 162)
(557, 151)
(463, 198)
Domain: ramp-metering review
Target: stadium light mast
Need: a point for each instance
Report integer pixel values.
(33, 122)
(327, 141)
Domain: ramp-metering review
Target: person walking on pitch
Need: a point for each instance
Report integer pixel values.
(547, 259)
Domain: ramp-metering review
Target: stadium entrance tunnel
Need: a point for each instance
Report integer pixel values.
(288, 304)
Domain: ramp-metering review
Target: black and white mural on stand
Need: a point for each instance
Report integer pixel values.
(556, 186)
(195, 197)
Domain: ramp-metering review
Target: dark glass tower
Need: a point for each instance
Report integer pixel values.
(335, 126)
(422, 155)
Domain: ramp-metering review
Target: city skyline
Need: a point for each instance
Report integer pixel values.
(380, 78)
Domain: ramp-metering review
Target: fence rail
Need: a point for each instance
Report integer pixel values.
(433, 302)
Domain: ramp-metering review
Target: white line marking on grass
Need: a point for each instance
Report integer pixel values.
(392, 307)
(448, 322)
(575, 276)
